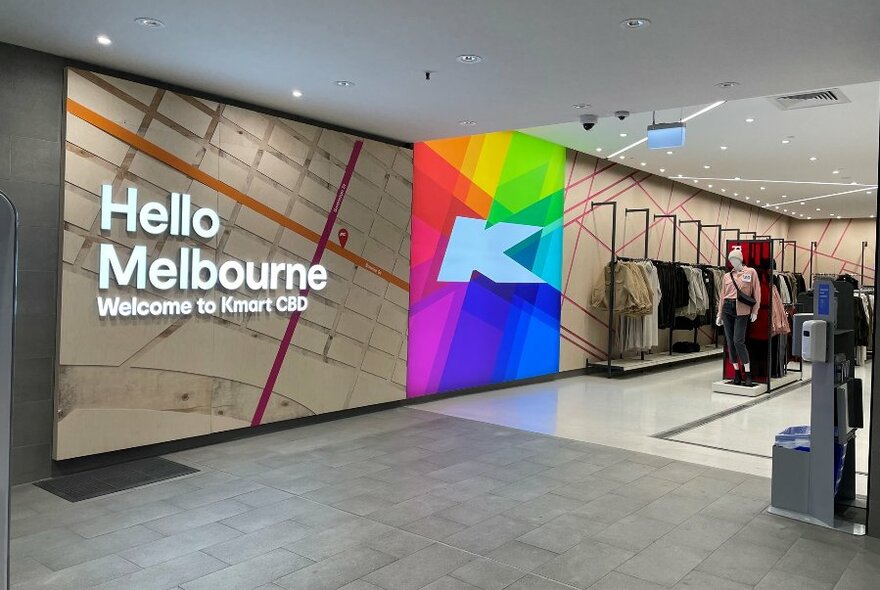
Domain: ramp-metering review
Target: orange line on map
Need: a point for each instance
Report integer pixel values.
(151, 149)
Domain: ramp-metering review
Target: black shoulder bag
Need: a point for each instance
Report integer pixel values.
(740, 296)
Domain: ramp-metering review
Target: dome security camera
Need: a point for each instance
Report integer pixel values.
(621, 114)
(589, 121)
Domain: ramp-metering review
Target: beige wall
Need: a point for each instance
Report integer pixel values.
(127, 382)
(839, 246)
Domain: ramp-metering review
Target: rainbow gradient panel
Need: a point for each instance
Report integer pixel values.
(486, 261)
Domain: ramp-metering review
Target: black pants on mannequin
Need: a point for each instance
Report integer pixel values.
(735, 327)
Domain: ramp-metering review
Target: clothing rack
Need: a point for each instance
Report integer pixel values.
(753, 234)
(813, 247)
(699, 232)
(862, 277)
(723, 231)
(647, 213)
(674, 235)
(612, 264)
(794, 262)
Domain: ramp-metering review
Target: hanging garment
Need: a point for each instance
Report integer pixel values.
(632, 297)
(778, 317)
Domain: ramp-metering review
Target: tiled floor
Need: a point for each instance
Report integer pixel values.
(408, 499)
(627, 412)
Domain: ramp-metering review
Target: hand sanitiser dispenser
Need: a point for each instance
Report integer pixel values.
(813, 341)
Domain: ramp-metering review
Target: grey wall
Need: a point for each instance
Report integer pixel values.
(31, 116)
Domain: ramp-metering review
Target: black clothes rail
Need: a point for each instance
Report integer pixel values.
(647, 213)
(612, 263)
(674, 219)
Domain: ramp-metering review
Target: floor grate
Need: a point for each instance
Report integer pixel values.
(116, 478)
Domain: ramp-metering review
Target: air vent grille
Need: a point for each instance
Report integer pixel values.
(806, 100)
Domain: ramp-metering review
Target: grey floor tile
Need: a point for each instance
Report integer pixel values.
(478, 509)
(257, 518)
(26, 569)
(419, 569)
(679, 471)
(328, 542)
(543, 509)
(263, 497)
(584, 564)
(697, 580)
(434, 527)
(357, 585)
(633, 532)
(619, 581)
(741, 561)
(754, 487)
(363, 504)
(589, 488)
(70, 554)
(664, 563)
(735, 508)
(214, 493)
(705, 487)
(252, 573)
(197, 517)
(625, 471)
(771, 531)
(610, 508)
(460, 471)
(562, 533)
(487, 575)
(702, 532)
(258, 542)
(516, 471)
(449, 583)
(167, 548)
(467, 489)
(167, 575)
(411, 510)
(573, 471)
(489, 534)
(816, 560)
(673, 508)
(853, 579)
(529, 488)
(646, 488)
(43, 542)
(536, 583)
(780, 580)
(521, 555)
(84, 575)
(556, 457)
(398, 543)
(124, 519)
(336, 571)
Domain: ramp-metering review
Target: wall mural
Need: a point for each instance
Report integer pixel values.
(215, 275)
(486, 261)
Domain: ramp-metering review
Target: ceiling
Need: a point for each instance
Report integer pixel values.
(841, 138)
(537, 62)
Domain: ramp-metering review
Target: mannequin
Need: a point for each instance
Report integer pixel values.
(735, 315)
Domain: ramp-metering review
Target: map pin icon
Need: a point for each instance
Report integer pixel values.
(343, 237)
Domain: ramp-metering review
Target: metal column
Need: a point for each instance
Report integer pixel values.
(8, 265)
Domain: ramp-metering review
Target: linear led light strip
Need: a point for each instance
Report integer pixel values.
(770, 181)
(858, 190)
(685, 120)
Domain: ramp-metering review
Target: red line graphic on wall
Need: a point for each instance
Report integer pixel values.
(316, 259)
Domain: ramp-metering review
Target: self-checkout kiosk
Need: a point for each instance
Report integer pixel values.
(8, 240)
(814, 480)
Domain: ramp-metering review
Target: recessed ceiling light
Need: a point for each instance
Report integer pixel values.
(777, 206)
(802, 203)
(467, 123)
(623, 134)
(631, 24)
(747, 198)
(724, 190)
(786, 141)
(750, 120)
(854, 182)
(835, 172)
(812, 158)
(644, 164)
(784, 210)
(757, 200)
(669, 153)
(762, 187)
(724, 147)
(784, 196)
(838, 216)
(871, 216)
(736, 177)
(297, 94)
(802, 214)
(809, 217)
(818, 209)
(696, 181)
(868, 192)
(579, 106)
(344, 83)
(664, 170)
(103, 40)
(727, 84)
(598, 149)
(706, 166)
(623, 157)
(737, 194)
(469, 58)
(151, 23)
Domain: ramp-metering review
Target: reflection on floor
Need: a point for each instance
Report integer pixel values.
(407, 499)
(626, 412)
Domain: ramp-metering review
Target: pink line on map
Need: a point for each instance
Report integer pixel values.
(294, 318)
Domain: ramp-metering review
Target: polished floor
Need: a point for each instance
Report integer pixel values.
(410, 499)
(629, 412)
